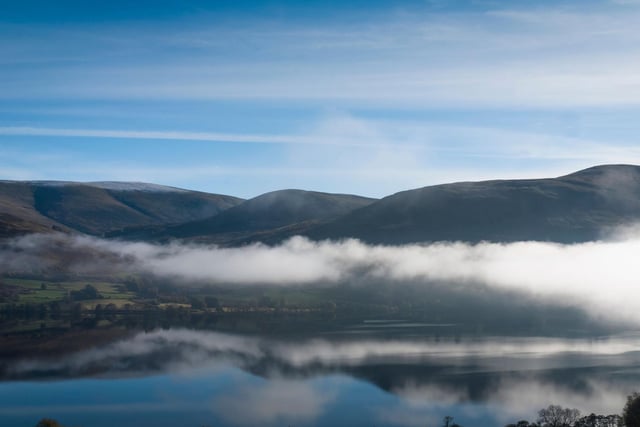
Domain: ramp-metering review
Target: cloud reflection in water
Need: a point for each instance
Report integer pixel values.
(502, 379)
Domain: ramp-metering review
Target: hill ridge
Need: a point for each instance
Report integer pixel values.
(580, 206)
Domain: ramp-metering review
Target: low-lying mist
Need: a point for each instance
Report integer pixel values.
(600, 277)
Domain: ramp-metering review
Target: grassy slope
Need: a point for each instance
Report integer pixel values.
(56, 291)
(573, 208)
(27, 207)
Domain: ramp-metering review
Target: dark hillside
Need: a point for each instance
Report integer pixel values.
(572, 208)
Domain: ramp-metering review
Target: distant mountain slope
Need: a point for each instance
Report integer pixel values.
(572, 208)
(291, 209)
(578, 207)
(97, 208)
(17, 212)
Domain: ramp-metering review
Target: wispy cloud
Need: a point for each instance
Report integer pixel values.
(180, 136)
(537, 57)
(402, 63)
(388, 135)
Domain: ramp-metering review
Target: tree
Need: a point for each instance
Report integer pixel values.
(76, 312)
(197, 303)
(110, 311)
(266, 301)
(88, 292)
(56, 310)
(98, 312)
(557, 416)
(48, 422)
(631, 411)
(212, 302)
(522, 423)
(448, 422)
(593, 420)
(42, 311)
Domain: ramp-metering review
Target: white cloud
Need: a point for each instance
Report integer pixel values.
(336, 153)
(178, 136)
(600, 277)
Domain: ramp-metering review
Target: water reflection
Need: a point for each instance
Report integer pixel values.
(220, 379)
(278, 401)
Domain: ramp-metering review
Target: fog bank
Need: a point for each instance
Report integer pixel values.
(599, 276)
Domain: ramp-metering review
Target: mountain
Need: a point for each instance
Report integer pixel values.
(255, 219)
(17, 212)
(573, 208)
(579, 207)
(101, 207)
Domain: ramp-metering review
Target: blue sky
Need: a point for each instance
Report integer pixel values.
(366, 97)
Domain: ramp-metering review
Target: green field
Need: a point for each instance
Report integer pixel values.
(42, 291)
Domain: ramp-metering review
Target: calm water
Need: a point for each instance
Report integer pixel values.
(196, 378)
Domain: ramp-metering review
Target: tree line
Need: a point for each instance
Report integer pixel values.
(557, 416)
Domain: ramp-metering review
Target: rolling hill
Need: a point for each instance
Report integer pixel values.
(271, 213)
(97, 208)
(578, 207)
(573, 208)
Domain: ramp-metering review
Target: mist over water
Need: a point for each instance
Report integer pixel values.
(382, 374)
(599, 277)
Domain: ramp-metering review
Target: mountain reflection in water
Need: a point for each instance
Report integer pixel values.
(186, 377)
